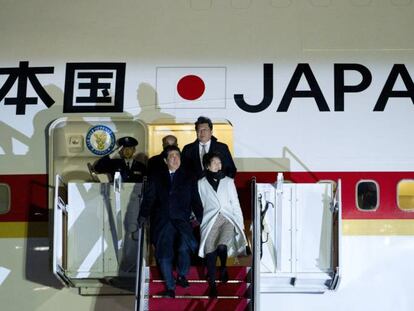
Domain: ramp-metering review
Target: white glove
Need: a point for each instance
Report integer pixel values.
(115, 153)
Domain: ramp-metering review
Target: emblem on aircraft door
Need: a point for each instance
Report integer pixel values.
(100, 140)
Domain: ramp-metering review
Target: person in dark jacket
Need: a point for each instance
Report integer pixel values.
(122, 160)
(170, 197)
(157, 162)
(193, 153)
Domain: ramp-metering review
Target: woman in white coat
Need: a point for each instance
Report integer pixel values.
(222, 227)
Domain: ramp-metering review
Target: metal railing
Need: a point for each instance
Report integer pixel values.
(256, 245)
(141, 253)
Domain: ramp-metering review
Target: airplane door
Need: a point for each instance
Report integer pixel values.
(94, 222)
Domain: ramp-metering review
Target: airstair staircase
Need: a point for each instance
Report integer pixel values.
(237, 294)
(233, 295)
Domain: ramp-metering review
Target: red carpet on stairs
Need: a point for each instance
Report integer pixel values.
(198, 304)
(233, 295)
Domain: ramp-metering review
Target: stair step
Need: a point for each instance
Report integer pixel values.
(202, 304)
(199, 273)
(238, 289)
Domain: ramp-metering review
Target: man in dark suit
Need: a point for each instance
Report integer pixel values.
(157, 162)
(122, 160)
(169, 199)
(193, 153)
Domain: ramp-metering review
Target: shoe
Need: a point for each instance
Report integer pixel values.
(169, 293)
(213, 290)
(224, 276)
(182, 281)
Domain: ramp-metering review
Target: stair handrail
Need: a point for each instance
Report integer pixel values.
(256, 243)
(140, 279)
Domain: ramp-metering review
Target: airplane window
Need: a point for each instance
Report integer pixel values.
(4, 199)
(405, 195)
(367, 195)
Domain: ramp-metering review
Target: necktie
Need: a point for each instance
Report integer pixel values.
(172, 177)
(203, 152)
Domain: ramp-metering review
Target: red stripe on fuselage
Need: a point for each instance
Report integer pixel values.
(28, 197)
(29, 193)
(387, 182)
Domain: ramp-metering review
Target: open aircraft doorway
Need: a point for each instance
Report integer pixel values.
(94, 219)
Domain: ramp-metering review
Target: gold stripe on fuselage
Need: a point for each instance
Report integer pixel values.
(22, 229)
(349, 227)
(378, 227)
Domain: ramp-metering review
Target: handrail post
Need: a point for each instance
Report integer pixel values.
(256, 247)
(140, 257)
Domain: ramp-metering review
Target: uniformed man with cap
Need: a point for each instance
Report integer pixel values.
(122, 160)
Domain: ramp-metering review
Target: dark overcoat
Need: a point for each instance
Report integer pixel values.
(172, 202)
(133, 174)
(191, 158)
(156, 163)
